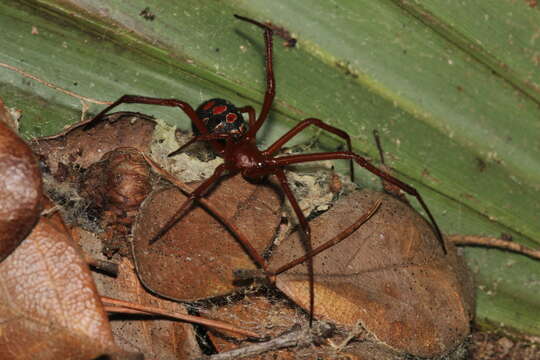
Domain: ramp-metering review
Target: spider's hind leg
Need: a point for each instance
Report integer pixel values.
(307, 231)
(388, 187)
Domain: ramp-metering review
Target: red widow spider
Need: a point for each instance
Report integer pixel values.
(220, 123)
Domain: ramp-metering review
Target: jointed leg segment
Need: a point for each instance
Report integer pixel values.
(295, 159)
(307, 231)
(197, 193)
(304, 124)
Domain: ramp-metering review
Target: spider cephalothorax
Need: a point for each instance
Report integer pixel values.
(220, 117)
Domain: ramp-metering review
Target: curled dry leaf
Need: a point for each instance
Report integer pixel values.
(20, 190)
(196, 258)
(95, 185)
(85, 147)
(115, 187)
(391, 276)
(48, 302)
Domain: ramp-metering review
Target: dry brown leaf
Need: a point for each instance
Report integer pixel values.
(88, 178)
(85, 147)
(391, 276)
(196, 258)
(20, 190)
(155, 337)
(49, 306)
(115, 188)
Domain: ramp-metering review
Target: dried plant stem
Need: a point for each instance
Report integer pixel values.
(491, 242)
(297, 338)
(50, 211)
(107, 267)
(116, 305)
(355, 332)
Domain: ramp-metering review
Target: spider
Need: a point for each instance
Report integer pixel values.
(222, 125)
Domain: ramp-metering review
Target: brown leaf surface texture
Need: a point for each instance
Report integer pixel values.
(196, 258)
(49, 307)
(20, 190)
(85, 147)
(266, 317)
(115, 188)
(391, 276)
(156, 337)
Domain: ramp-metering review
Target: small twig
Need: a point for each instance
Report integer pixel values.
(151, 310)
(491, 242)
(84, 110)
(357, 330)
(123, 310)
(296, 338)
(107, 267)
(52, 86)
(50, 211)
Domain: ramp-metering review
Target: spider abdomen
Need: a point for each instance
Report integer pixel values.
(221, 116)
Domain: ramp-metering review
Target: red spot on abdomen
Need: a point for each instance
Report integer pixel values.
(231, 117)
(208, 105)
(219, 109)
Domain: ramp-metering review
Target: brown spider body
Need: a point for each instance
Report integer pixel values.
(246, 158)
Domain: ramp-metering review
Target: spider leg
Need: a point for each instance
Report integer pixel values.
(207, 137)
(194, 195)
(295, 159)
(135, 99)
(251, 114)
(270, 81)
(388, 187)
(334, 241)
(231, 227)
(307, 231)
(301, 126)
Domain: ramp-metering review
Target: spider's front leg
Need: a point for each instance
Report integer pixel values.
(251, 114)
(195, 194)
(135, 99)
(270, 80)
(272, 149)
(207, 137)
(295, 159)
